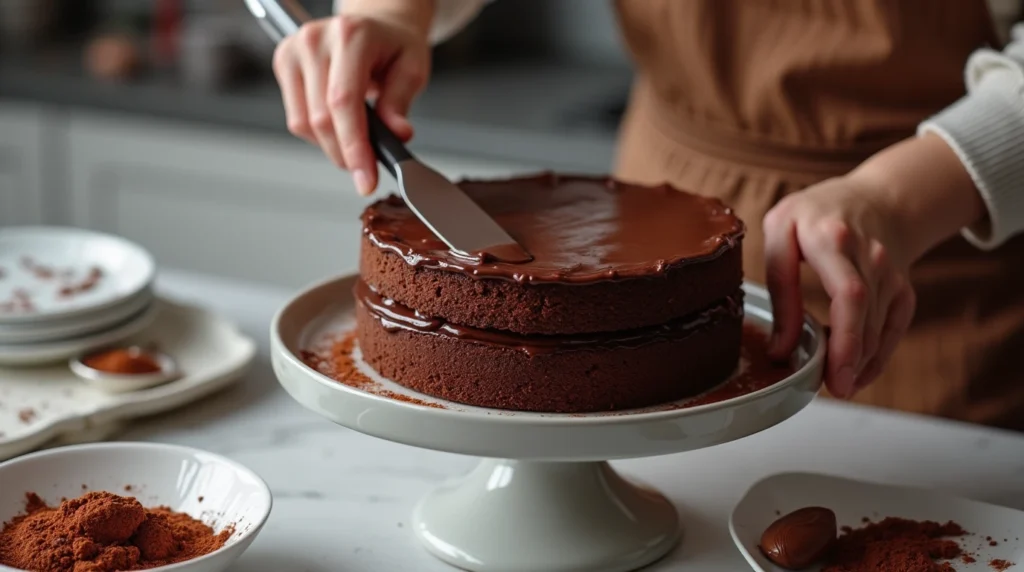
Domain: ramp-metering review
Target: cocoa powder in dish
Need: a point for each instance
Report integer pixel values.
(124, 361)
(896, 545)
(102, 532)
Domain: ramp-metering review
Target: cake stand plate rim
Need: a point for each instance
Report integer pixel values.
(357, 409)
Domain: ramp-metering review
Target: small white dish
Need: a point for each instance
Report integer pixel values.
(853, 501)
(75, 326)
(60, 350)
(121, 382)
(211, 488)
(43, 405)
(126, 268)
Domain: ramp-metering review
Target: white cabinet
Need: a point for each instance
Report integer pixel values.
(238, 204)
(21, 164)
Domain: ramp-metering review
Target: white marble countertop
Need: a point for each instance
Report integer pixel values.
(342, 500)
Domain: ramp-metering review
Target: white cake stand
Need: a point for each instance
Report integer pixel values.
(544, 498)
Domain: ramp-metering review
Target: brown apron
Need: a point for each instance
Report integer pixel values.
(749, 100)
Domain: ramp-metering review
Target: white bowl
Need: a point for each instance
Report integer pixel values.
(156, 474)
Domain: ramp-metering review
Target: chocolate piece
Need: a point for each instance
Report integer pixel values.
(800, 538)
(557, 374)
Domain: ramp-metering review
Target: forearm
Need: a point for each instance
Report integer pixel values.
(985, 129)
(417, 14)
(926, 189)
(966, 169)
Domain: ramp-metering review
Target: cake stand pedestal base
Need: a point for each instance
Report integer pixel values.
(545, 516)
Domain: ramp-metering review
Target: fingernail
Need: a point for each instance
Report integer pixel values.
(362, 181)
(846, 381)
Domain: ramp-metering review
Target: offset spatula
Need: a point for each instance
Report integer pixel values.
(458, 221)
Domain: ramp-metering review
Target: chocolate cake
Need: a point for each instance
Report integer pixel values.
(633, 298)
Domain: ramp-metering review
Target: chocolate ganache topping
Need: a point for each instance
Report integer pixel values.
(394, 316)
(578, 229)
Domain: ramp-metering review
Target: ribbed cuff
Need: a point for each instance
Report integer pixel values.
(986, 130)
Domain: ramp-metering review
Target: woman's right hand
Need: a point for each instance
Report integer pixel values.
(331, 66)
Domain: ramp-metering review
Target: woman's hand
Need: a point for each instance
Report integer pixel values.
(860, 233)
(376, 48)
(855, 247)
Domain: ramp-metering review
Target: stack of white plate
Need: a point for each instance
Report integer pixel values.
(64, 291)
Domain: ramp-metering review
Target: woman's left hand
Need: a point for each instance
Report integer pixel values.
(848, 234)
(860, 233)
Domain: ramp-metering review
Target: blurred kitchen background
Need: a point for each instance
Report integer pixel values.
(159, 120)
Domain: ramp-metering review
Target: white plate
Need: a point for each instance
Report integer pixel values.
(127, 270)
(75, 326)
(178, 477)
(483, 432)
(50, 352)
(854, 500)
(210, 351)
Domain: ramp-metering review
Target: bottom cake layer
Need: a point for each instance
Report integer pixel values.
(554, 374)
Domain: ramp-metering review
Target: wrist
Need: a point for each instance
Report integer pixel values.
(925, 191)
(417, 15)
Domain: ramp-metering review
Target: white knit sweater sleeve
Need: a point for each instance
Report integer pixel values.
(986, 130)
(451, 17)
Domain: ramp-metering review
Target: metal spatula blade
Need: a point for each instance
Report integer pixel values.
(446, 210)
(440, 204)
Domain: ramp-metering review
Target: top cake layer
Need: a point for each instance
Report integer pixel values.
(608, 256)
(578, 229)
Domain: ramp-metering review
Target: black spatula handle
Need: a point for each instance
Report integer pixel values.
(389, 148)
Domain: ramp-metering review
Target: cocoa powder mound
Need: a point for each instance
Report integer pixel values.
(896, 545)
(102, 532)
